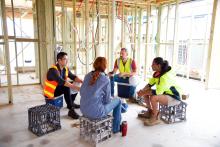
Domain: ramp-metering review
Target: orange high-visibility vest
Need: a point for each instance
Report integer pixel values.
(50, 86)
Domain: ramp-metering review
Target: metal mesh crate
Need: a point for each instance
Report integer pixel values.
(172, 114)
(96, 130)
(43, 119)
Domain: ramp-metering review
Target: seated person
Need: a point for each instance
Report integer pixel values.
(127, 69)
(96, 101)
(57, 84)
(166, 93)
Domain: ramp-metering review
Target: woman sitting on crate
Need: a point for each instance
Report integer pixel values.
(166, 93)
(96, 101)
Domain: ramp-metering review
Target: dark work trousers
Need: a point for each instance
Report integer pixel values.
(67, 96)
(73, 97)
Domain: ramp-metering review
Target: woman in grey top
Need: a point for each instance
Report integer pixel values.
(96, 101)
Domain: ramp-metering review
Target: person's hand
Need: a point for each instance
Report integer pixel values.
(74, 87)
(126, 75)
(122, 75)
(111, 74)
(80, 81)
(146, 88)
(130, 75)
(140, 93)
(148, 92)
(77, 88)
(144, 92)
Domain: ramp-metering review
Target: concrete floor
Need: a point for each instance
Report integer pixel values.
(200, 130)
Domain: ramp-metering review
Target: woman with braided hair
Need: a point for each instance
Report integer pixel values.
(167, 91)
(96, 101)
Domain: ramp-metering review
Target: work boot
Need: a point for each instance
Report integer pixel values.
(72, 113)
(145, 113)
(132, 100)
(154, 120)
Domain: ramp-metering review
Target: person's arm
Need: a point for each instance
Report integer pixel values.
(114, 69)
(134, 68)
(147, 89)
(53, 75)
(71, 75)
(107, 91)
(72, 86)
(77, 79)
(115, 66)
(74, 77)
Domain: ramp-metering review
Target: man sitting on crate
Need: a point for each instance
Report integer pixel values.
(57, 84)
(127, 70)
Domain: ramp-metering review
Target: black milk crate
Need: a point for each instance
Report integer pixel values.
(96, 130)
(172, 114)
(43, 119)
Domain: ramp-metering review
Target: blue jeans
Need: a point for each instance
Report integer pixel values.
(116, 78)
(115, 105)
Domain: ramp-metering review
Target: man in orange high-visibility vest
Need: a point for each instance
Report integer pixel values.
(57, 84)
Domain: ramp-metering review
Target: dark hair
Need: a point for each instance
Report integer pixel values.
(163, 63)
(124, 49)
(60, 55)
(99, 66)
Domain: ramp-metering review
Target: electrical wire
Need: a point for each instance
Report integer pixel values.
(119, 16)
(94, 45)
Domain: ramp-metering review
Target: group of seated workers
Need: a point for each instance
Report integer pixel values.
(97, 89)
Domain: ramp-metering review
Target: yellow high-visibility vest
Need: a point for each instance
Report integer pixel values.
(164, 83)
(124, 68)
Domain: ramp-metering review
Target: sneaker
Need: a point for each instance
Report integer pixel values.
(73, 114)
(76, 106)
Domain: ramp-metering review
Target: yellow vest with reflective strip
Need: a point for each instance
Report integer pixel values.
(164, 83)
(50, 86)
(124, 68)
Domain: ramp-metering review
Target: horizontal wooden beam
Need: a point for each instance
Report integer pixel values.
(20, 39)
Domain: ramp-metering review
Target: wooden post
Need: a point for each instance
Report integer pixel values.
(214, 11)
(87, 34)
(7, 55)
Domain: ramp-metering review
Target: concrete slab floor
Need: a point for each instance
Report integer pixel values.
(200, 130)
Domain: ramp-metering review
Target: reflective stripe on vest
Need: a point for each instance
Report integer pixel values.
(66, 74)
(124, 68)
(50, 86)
